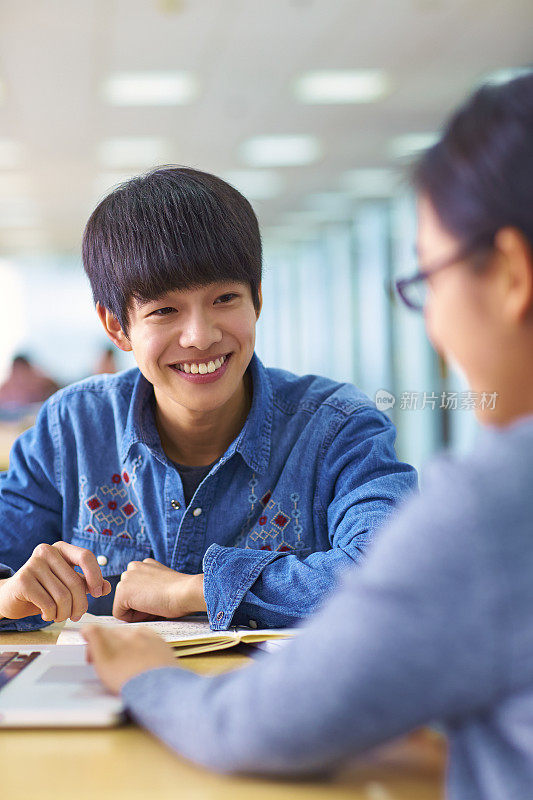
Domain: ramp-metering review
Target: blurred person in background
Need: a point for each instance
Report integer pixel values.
(106, 362)
(26, 384)
(436, 624)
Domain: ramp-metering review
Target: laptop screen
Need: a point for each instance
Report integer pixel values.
(12, 664)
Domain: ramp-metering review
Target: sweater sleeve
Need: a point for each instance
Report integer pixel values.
(408, 638)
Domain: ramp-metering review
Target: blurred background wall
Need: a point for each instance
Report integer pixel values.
(312, 108)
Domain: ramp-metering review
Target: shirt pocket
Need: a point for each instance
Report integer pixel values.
(113, 553)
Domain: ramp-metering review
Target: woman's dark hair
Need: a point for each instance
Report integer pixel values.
(173, 228)
(479, 175)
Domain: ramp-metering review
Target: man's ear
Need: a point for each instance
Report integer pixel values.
(112, 328)
(260, 298)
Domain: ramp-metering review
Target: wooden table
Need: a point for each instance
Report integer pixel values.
(129, 764)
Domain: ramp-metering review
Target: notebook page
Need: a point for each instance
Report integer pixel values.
(171, 630)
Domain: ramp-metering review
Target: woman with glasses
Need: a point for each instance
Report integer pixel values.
(438, 623)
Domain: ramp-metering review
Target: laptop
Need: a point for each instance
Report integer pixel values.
(51, 686)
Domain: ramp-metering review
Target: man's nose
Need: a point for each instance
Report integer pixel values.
(199, 331)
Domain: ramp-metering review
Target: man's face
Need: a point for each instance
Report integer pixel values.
(194, 346)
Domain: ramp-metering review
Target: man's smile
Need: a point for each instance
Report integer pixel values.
(202, 371)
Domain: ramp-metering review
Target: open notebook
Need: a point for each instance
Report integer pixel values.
(188, 636)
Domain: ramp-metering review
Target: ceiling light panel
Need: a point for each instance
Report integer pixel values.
(150, 88)
(370, 183)
(341, 86)
(280, 151)
(256, 184)
(139, 151)
(411, 144)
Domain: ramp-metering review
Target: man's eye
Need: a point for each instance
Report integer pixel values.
(162, 312)
(226, 298)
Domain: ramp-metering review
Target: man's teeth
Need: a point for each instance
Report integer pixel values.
(203, 368)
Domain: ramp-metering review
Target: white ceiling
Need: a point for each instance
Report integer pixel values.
(246, 54)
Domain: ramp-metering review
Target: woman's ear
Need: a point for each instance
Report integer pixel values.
(516, 266)
(113, 328)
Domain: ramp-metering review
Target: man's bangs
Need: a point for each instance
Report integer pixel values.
(148, 283)
(184, 256)
(172, 229)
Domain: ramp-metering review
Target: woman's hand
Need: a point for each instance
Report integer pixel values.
(120, 653)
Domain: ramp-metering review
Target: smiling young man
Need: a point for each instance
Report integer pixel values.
(201, 480)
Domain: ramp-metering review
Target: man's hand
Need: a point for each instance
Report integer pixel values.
(48, 584)
(119, 654)
(149, 590)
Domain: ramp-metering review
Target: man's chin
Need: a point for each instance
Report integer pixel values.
(196, 405)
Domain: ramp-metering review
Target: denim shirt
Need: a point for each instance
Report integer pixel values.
(297, 495)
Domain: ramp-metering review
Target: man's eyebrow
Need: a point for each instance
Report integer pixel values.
(143, 303)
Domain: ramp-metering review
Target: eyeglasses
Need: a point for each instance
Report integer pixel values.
(414, 290)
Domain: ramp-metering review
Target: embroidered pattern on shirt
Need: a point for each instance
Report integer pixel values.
(113, 507)
(273, 529)
(252, 499)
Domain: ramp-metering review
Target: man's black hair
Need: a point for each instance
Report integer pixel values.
(173, 228)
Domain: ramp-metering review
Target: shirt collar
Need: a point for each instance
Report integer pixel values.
(253, 442)
(140, 423)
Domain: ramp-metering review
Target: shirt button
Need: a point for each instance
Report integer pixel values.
(102, 560)
(175, 504)
(197, 512)
(252, 623)
(220, 615)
